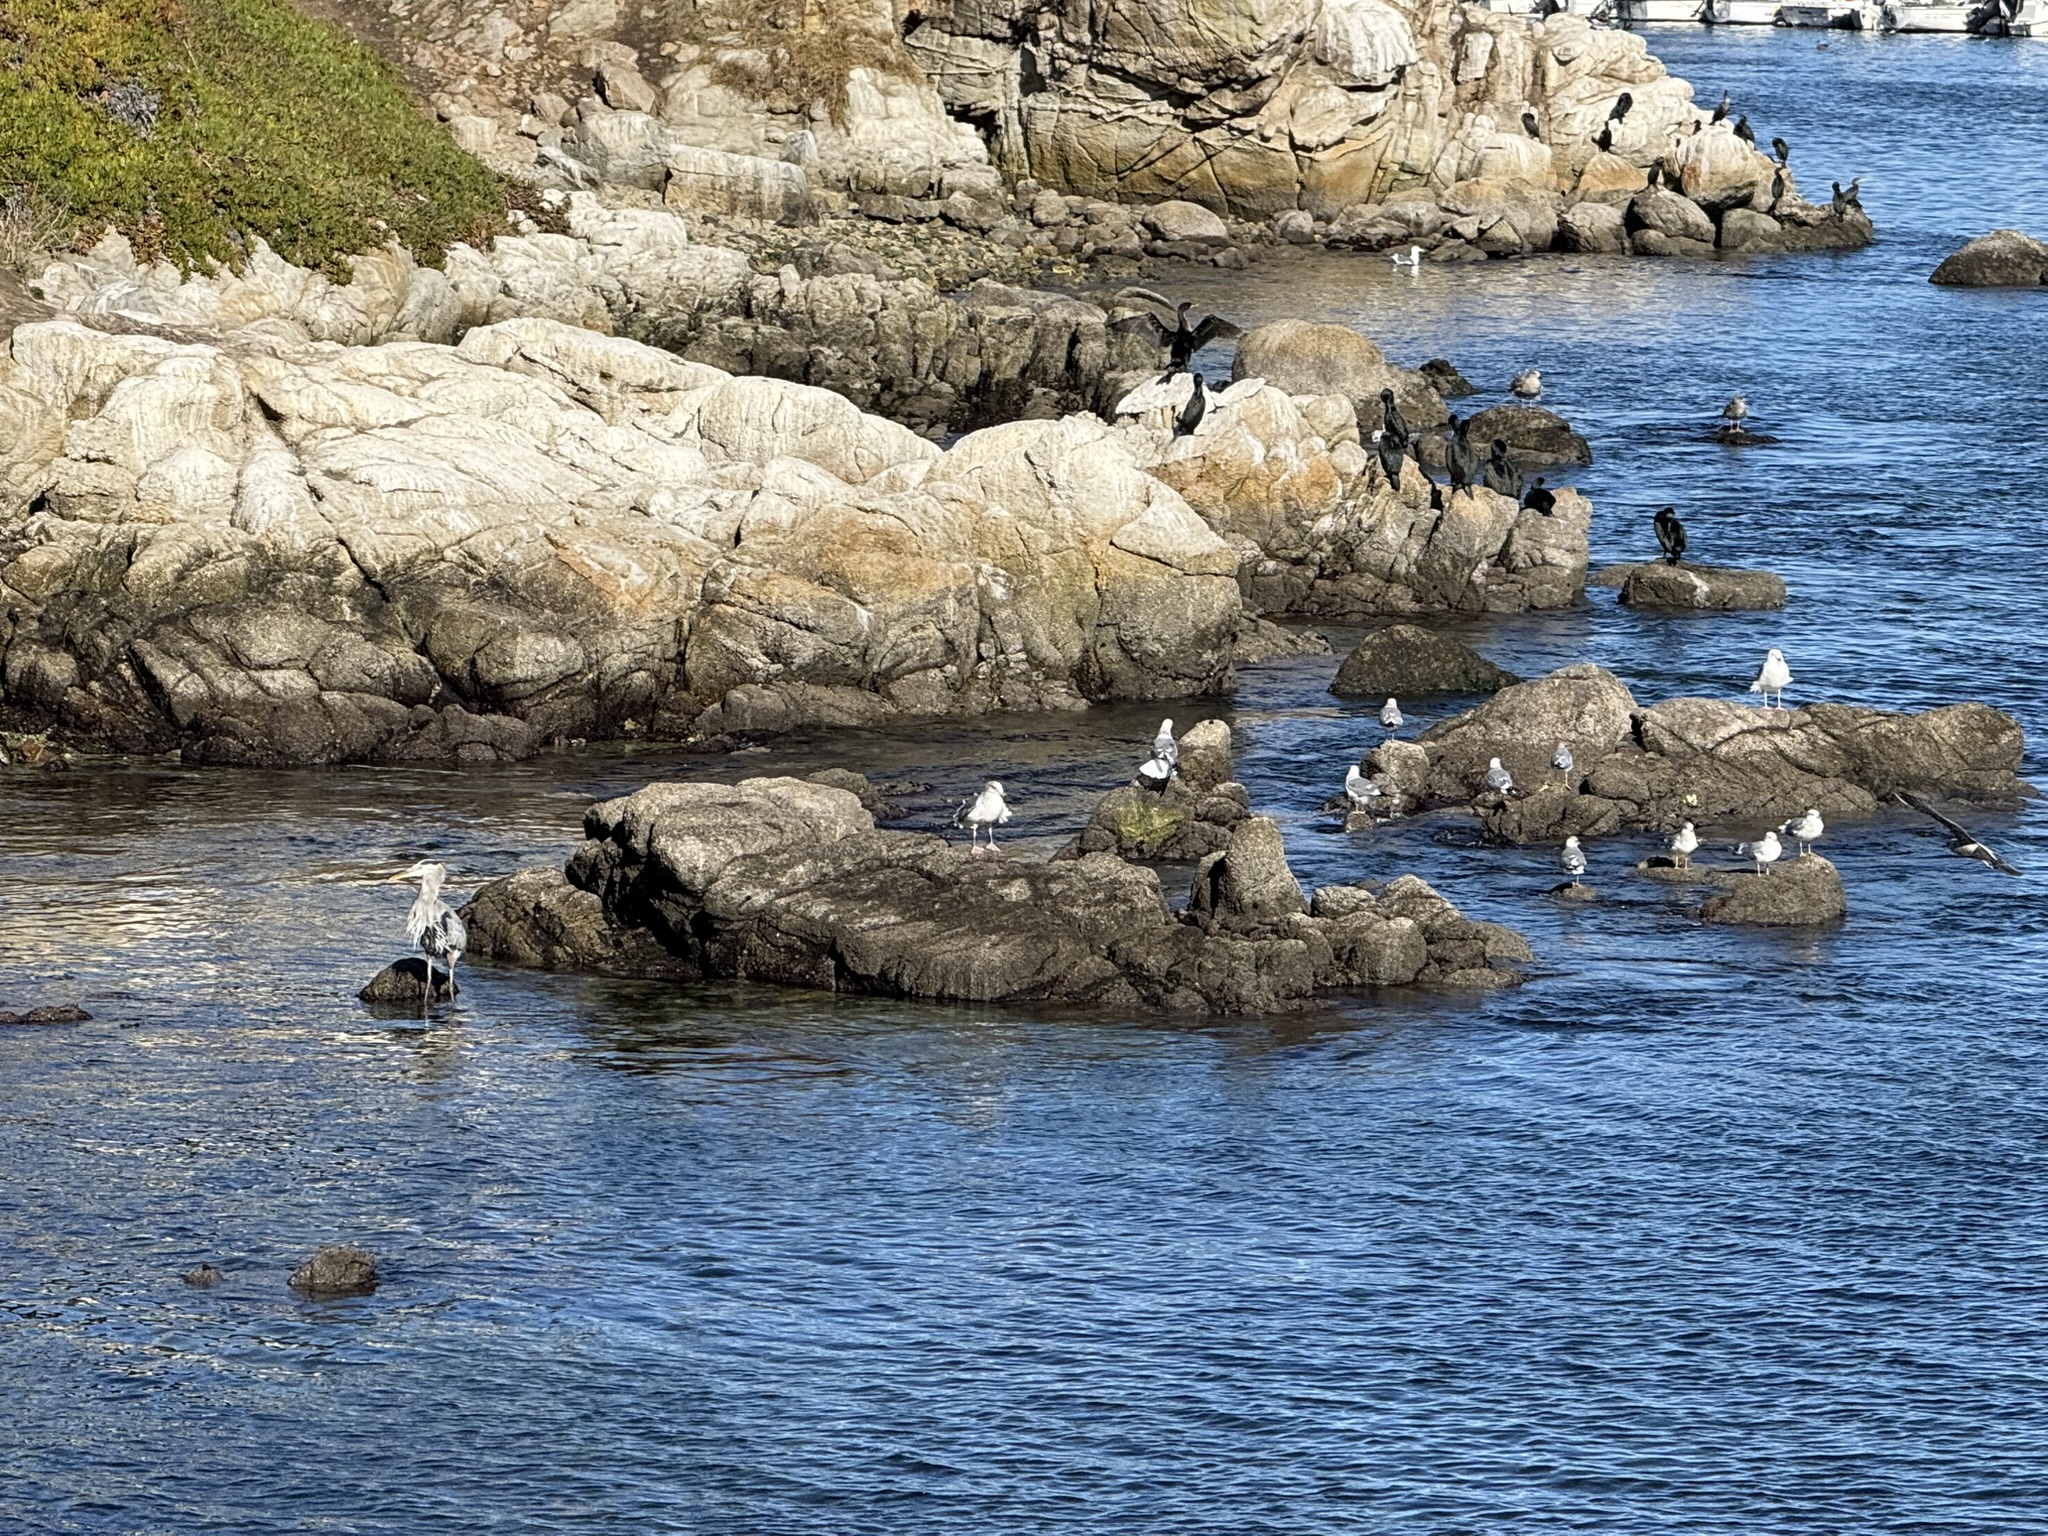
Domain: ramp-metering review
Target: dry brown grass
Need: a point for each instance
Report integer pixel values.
(790, 53)
(34, 224)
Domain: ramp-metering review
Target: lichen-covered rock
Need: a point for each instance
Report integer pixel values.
(1179, 823)
(2005, 258)
(1403, 661)
(1795, 892)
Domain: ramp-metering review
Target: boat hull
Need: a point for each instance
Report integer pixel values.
(1636, 12)
(1742, 13)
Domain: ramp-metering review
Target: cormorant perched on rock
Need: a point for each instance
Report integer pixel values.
(1462, 459)
(1620, 108)
(1721, 112)
(1840, 201)
(1436, 495)
(1744, 132)
(1854, 195)
(1782, 150)
(1604, 139)
(1169, 322)
(1191, 414)
(1656, 170)
(1777, 189)
(1529, 122)
(1393, 438)
(1671, 535)
(1539, 499)
(1500, 475)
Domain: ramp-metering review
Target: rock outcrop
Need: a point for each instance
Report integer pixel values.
(1402, 661)
(785, 881)
(1794, 893)
(1702, 760)
(1718, 588)
(336, 1269)
(1193, 814)
(2005, 258)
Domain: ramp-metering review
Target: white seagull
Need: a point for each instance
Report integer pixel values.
(988, 811)
(1391, 716)
(1499, 779)
(1771, 681)
(1561, 759)
(1765, 851)
(1410, 260)
(1735, 410)
(1574, 859)
(1361, 791)
(1158, 768)
(1528, 384)
(433, 926)
(1682, 845)
(1805, 830)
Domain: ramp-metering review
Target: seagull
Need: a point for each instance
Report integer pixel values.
(1498, 779)
(1409, 260)
(1765, 851)
(987, 810)
(1191, 414)
(433, 926)
(1574, 859)
(1164, 747)
(1391, 716)
(1181, 339)
(1361, 791)
(1528, 384)
(1805, 830)
(1771, 680)
(1670, 535)
(1735, 410)
(1561, 759)
(1963, 843)
(1682, 845)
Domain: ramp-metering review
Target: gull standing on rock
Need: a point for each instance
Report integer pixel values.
(1683, 844)
(433, 926)
(1528, 384)
(1391, 716)
(987, 810)
(1574, 859)
(1158, 768)
(1735, 410)
(1765, 851)
(1498, 779)
(1805, 830)
(1561, 759)
(1363, 794)
(1773, 679)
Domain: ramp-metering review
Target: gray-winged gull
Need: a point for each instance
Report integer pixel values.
(1773, 678)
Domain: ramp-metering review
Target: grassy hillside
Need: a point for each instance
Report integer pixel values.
(187, 123)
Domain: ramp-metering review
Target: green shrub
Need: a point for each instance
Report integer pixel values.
(191, 124)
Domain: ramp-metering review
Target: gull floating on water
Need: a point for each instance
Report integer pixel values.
(1765, 851)
(1963, 843)
(1683, 844)
(433, 926)
(1411, 259)
(1805, 830)
(986, 811)
(1391, 717)
(1771, 681)
(1359, 790)
(1499, 779)
(1574, 859)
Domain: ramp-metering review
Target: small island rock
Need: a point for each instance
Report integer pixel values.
(1794, 892)
(2005, 258)
(1405, 661)
(337, 1269)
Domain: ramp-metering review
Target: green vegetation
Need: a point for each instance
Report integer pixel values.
(1143, 829)
(192, 124)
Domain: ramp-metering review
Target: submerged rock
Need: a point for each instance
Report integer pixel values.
(336, 1269)
(1720, 588)
(1404, 661)
(1795, 892)
(2005, 258)
(65, 1013)
(781, 880)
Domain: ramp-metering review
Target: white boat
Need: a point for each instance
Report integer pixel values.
(1833, 15)
(1900, 17)
(1636, 12)
(1742, 13)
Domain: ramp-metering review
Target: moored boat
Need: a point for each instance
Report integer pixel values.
(1741, 13)
(1636, 12)
(1952, 17)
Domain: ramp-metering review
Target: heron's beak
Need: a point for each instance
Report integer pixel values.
(399, 879)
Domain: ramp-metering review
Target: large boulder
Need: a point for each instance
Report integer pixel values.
(1797, 892)
(1403, 661)
(2005, 258)
(1582, 707)
(1303, 357)
(1536, 438)
(1713, 587)
(1670, 214)
(1593, 229)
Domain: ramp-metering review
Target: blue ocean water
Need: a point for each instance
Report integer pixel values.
(1701, 1231)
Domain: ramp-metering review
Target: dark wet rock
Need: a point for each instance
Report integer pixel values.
(1260, 639)
(1571, 891)
(1404, 661)
(538, 920)
(2005, 258)
(1445, 379)
(336, 1269)
(1703, 760)
(1715, 587)
(1536, 438)
(1794, 892)
(204, 1277)
(1664, 868)
(1736, 435)
(67, 1013)
(403, 984)
(785, 881)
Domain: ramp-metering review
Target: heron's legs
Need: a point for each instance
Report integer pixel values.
(427, 992)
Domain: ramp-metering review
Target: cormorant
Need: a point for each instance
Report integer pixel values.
(1539, 499)
(1721, 112)
(1744, 132)
(1604, 139)
(1529, 122)
(1181, 338)
(1782, 150)
(1620, 108)
(1840, 201)
(1500, 475)
(1462, 459)
(1854, 196)
(1191, 414)
(1777, 189)
(1671, 535)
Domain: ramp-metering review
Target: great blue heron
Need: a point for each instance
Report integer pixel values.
(433, 926)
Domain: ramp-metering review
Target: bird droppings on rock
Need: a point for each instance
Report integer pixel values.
(336, 1269)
